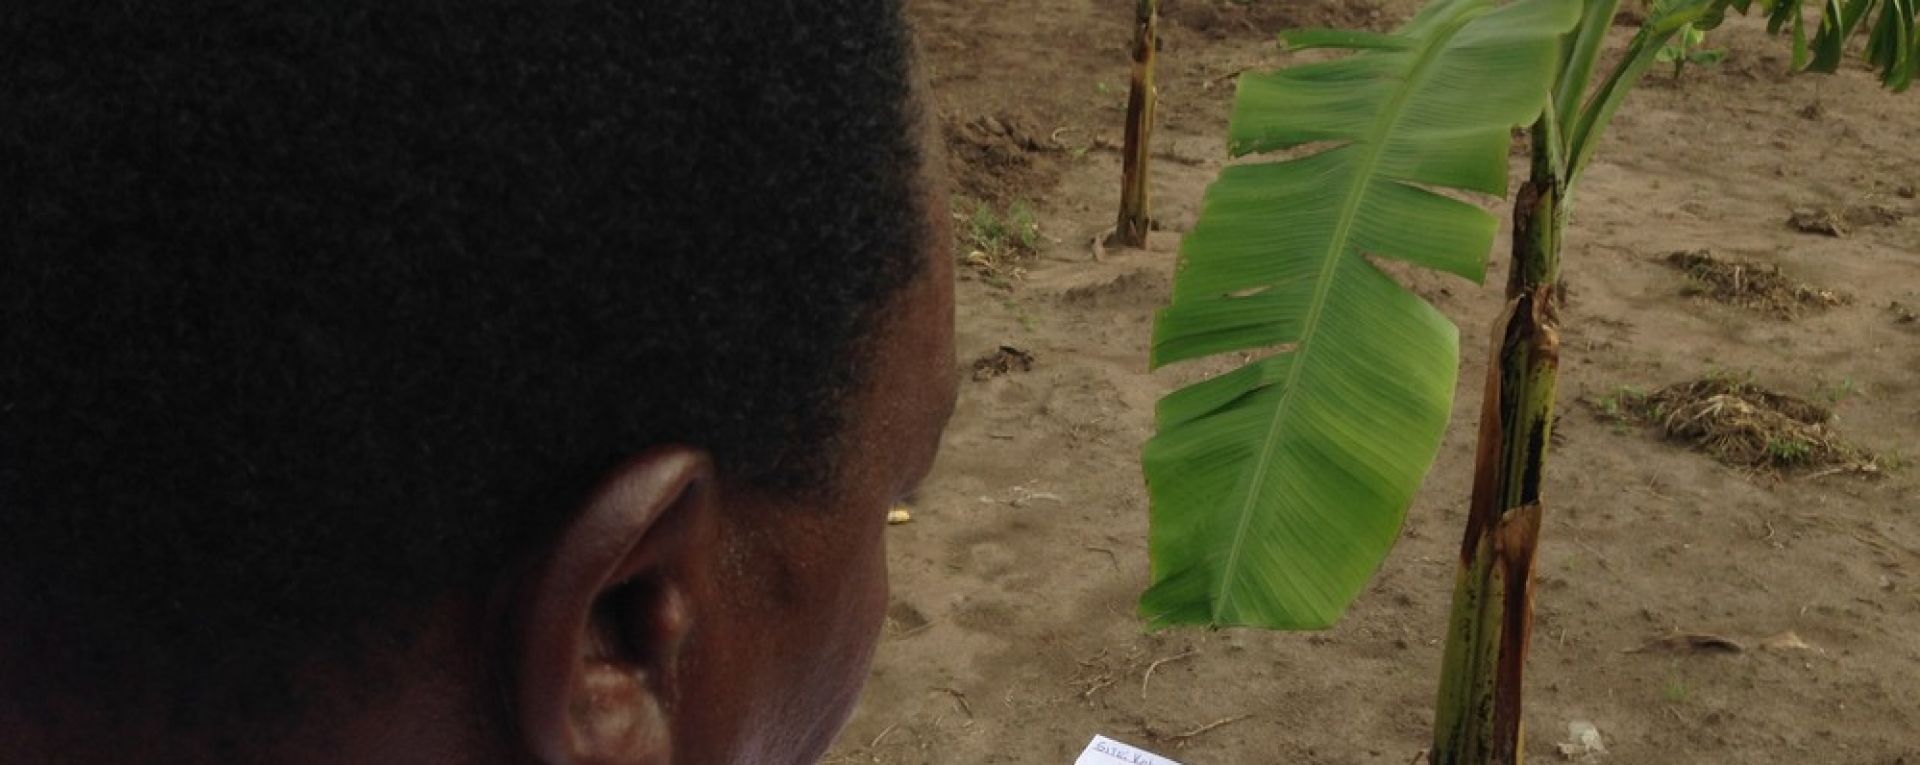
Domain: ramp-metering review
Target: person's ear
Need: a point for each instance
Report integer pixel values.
(601, 621)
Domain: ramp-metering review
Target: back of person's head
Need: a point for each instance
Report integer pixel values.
(317, 315)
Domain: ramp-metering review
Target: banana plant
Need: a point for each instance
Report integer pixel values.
(1689, 47)
(1278, 488)
(1478, 712)
(1892, 47)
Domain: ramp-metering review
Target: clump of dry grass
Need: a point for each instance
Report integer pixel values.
(1744, 425)
(1751, 285)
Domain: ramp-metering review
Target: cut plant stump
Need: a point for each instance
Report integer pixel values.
(1131, 228)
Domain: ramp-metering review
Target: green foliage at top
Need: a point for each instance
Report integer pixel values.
(1580, 122)
(1278, 488)
(1892, 46)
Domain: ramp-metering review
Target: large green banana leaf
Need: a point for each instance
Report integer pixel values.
(1277, 489)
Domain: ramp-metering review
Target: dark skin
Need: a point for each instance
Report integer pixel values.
(679, 617)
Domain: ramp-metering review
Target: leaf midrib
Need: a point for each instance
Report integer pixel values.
(1374, 146)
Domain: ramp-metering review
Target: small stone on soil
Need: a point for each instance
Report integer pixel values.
(1583, 739)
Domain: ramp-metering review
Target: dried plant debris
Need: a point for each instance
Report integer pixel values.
(1817, 221)
(1756, 286)
(1786, 642)
(1744, 425)
(1004, 360)
(1690, 642)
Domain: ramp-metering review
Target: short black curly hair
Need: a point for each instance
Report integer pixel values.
(313, 312)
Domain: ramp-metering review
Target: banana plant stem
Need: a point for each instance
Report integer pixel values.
(1478, 714)
(1131, 229)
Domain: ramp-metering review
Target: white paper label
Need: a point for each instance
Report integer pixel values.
(1105, 751)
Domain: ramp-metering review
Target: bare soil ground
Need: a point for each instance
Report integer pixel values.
(1669, 581)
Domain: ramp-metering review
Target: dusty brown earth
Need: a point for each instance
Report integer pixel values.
(1013, 637)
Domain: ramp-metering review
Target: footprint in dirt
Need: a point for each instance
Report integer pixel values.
(905, 620)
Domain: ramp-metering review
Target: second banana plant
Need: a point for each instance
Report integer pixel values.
(1277, 489)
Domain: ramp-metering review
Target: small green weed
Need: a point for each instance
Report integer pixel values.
(1789, 451)
(1838, 393)
(999, 241)
(1685, 49)
(1621, 403)
(1026, 226)
(1893, 460)
(1016, 230)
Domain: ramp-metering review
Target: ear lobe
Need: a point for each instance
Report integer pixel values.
(602, 618)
